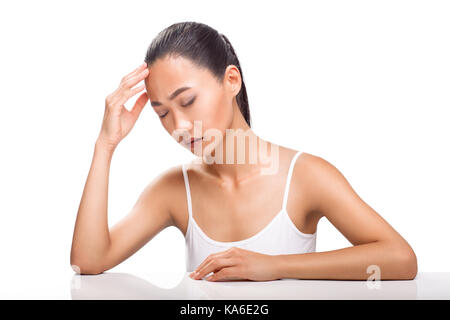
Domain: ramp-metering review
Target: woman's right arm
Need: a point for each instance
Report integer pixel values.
(94, 247)
(91, 238)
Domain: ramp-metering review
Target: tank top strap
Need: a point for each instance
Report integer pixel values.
(188, 190)
(288, 180)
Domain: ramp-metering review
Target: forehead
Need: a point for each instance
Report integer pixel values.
(170, 73)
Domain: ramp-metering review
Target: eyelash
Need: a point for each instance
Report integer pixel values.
(186, 105)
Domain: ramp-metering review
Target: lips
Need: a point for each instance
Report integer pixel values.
(193, 140)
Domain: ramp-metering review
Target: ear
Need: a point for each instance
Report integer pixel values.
(232, 79)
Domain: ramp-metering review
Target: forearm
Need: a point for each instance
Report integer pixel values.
(91, 237)
(349, 263)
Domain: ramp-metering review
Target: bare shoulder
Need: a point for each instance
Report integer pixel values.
(308, 159)
(329, 193)
(316, 175)
(166, 189)
(170, 178)
(316, 169)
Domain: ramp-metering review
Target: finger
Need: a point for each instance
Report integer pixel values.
(215, 265)
(221, 254)
(139, 105)
(229, 273)
(138, 69)
(135, 90)
(123, 96)
(212, 266)
(133, 80)
(118, 92)
(211, 256)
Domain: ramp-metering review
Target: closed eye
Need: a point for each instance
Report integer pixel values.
(184, 105)
(190, 102)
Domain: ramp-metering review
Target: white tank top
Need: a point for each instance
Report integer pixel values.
(279, 236)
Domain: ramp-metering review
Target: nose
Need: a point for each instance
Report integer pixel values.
(183, 125)
(183, 128)
(180, 121)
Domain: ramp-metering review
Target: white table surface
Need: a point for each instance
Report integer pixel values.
(426, 285)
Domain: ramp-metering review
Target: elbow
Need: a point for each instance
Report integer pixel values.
(87, 268)
(86, 264)
(407, 264)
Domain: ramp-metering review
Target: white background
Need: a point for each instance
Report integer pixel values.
(363, 84)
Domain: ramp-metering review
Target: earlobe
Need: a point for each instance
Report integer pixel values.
(236, 88)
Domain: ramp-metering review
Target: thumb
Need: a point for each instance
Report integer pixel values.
(139, 104)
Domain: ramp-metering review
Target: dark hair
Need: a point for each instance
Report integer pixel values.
(205, 47)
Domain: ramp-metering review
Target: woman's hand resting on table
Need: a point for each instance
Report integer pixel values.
(237, 264)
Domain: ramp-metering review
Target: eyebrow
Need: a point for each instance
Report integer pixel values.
(171, 97)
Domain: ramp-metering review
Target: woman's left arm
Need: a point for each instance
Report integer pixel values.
(376, 245)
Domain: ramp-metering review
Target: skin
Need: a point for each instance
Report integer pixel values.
(220, 192)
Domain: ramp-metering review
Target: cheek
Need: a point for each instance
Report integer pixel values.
(218, 113)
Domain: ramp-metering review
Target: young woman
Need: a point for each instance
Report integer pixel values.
(239, 223)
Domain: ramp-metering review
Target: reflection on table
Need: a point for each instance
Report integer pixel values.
(428, 285)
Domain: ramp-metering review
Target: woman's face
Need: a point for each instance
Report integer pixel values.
(181, 93)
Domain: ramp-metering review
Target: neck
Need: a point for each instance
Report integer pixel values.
(244, 154)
